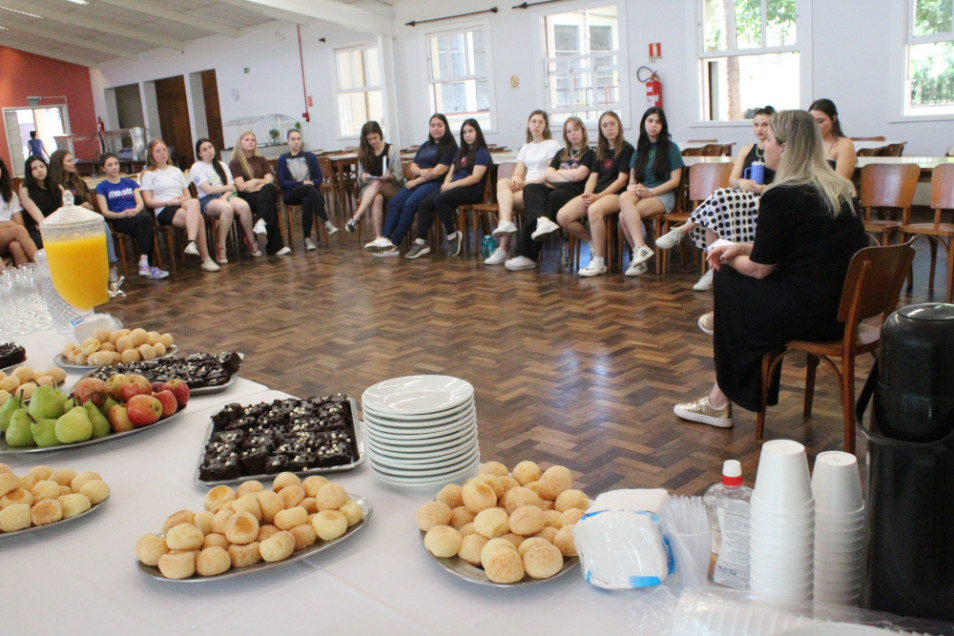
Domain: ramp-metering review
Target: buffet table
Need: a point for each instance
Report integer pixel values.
(82, 577)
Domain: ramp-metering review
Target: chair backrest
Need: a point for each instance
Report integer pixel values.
(889, 185)
(873, 283)
(706, 178)
(406, 167)
(712, 150)
(693, 152)
(878, 138)
(867, 152)
(942, 187)
(893, 150)
(327, 169)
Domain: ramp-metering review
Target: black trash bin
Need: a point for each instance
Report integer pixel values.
(910, 466)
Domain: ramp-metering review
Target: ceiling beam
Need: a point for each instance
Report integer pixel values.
(157, 11)
(44, 52)
(64, 37)
(72, 19)
(345, 15)
(272, 12)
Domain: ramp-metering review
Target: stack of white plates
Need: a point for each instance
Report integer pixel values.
(421, 430)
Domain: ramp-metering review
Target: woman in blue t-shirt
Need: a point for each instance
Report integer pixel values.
(430, 164)
(656, 171)
(120, 201)
(463, 185)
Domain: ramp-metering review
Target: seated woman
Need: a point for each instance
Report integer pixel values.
(256, 186)
(431, 163)
(656, 171)
(165, 190)
(40, 196)
(299, 175)
(565, 178)
(15, 241)
(218, 198)
(532, 162)
(379, 173)
(120, 202)
(787, 284)
(464, 184)
(839, 150)
(600, 196)
(729, 213)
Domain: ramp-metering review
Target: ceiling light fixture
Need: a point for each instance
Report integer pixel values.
(82, 2)
(18, 12)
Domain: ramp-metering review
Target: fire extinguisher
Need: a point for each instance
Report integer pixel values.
(653, 87)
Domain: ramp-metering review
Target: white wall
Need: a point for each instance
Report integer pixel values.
(851, 64)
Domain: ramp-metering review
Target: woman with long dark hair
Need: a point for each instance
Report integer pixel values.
(839, 149)
(463, 185)
(656, 171)
(40, 196)
(431, 163)
(379, 174)
(14, 238)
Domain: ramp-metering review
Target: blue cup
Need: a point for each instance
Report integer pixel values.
(755, 172)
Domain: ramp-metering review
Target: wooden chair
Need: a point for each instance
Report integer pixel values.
(872, 286)
(289, 212)
(704, 179)
(478, 215)
(885, 185)
(893, 150)
(327, 187)
(942, 198)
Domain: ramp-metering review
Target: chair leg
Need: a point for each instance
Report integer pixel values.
(848, 401)
(933, 243)
(119, 240)
(811, 369)
(950, 268)
(760, 417)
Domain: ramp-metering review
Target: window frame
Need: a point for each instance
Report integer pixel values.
(623, 106)
(366, 45)
(903, 31)
(486, 33)
(697, 56)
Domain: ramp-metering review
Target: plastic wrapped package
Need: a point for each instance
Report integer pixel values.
(622, 549)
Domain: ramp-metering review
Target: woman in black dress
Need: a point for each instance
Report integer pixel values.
(787, 284)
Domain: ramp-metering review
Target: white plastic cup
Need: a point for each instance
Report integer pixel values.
(691, 553)
(782, 479)
(836, 483)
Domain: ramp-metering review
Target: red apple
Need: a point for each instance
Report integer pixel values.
(168, 401)
(143, 410)
(156, 387)
(135, 385)
(179, 388)
(119, 419)
(115, 385)
(90, 390)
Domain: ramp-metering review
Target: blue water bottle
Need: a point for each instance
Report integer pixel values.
(489, 245)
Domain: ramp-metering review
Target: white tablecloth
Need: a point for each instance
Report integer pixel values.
(81, 578)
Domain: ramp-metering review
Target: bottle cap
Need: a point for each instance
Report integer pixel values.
(732, 473)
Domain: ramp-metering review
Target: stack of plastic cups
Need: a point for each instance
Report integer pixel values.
(782, 525)
(839, 528)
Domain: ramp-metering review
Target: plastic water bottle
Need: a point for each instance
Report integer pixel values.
(65, 316)
(728, 504)
(489, 245)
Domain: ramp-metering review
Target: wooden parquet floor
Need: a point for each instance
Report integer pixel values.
(581, 372)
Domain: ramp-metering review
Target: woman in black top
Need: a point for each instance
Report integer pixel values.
(40, 196)
(787, 284)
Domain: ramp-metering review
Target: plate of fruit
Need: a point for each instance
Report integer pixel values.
(95, 412)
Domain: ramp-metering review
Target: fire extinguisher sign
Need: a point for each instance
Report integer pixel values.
(655, 50)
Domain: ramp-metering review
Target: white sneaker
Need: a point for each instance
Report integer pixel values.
(385, 253)
(378, 243)
(704, 413)
(670, 239)
(499, 257)
(310, 244)
(637, 269)
(259, 227)
(505, 227)
(544, 227)
(592, 270)
(191, 249)
(330, 227)
(282, 252)
(706, 323)
(518, 263)
(704, 283)
(210, 266)
(641, 255)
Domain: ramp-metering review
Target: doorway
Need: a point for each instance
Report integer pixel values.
(48, 122)
(174, 119)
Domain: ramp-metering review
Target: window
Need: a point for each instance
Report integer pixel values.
(749, 57)
(459, 82)
(582, 65)
(360, 97)
(930, 58)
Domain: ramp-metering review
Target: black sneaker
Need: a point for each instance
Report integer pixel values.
(418, 249)
(351, 226)
(455, 243)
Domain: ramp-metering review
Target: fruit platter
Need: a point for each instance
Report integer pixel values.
(95, 411)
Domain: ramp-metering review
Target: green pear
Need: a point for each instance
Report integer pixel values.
(47, 403)
(108, 404)
(18, 433)
(7, 410)
(44, 432)
(74, 426)
(101, 427)
(69, 404)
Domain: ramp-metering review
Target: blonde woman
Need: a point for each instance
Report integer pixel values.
(258, 187)
(786, 285)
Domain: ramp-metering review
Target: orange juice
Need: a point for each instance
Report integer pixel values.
(79, 269)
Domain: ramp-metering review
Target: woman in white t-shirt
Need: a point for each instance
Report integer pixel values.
(532, 162)
(165, 190)
(14, 238)
(219, 199)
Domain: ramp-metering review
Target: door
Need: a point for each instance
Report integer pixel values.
(213, 118)
(174, 119)
(48, 122)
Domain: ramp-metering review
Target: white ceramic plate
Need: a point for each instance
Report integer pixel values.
(9, 450)
(417, 394)
(419, 452)
(411, 426)
(454, 466)
(321, 546)
(835, 629)
(452, 460)
(56, 524)
(60, 361)
(419, 420)
(448, 430)
(429, 482)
